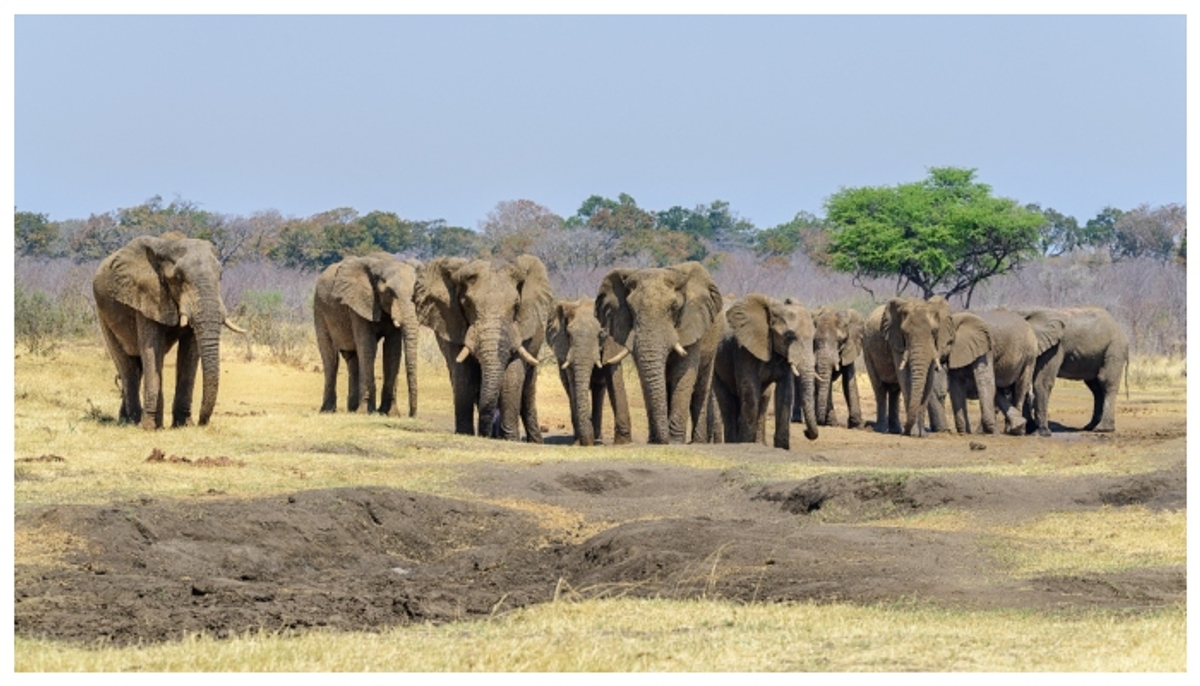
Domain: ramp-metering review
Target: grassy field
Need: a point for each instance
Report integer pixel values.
(267, 424)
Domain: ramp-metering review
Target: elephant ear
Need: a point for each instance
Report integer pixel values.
(851, 344)
(436, 296)
(533, 284)
(556, 327)
(612, 306)
(972, 339)
(1048, 327)
(354, 287)
(893, 314)
(939, 311)
(702, 302)
(138, 281)
(750, 321)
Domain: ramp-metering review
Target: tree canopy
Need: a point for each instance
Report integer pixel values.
(944, 235)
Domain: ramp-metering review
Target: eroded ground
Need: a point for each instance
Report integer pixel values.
(366, 558)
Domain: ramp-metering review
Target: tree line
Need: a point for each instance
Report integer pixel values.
(945, 234)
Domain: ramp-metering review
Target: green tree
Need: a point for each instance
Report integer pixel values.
(805, 233)
(34, 234)
(1060, 233)
(943, 235)
(1101, 231)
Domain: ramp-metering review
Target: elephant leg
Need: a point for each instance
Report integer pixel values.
(1043, 384)
(329, 364)
(187, 361)
(699, 402)
(727, 407)
(958, 403)
(748, 396)
(510, 405)
(892, 406)
(129, 373)
(1104, 392)
(529, 416)
(850, 391)
(465, 379)
(831, 415)
(365, 345)
(598, 388)
(681, 383)
(785, 394)
(353, 390)
(622, 427)
(797, 411)
(882, 393)
(984, 377)
(393, 345)
(151, 346)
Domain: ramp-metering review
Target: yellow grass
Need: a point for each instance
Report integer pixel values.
(267, 422)
(659, 635)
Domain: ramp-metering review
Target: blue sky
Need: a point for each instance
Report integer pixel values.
(445, 116)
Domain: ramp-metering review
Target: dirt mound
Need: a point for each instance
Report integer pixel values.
(369, 558)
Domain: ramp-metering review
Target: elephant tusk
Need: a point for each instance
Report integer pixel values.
(234, 327)
(183, 320)
(618, 357)
(599, 364)
(679, 349)
(463, 354)
(526, 356)
(566, 360)
(795, 370)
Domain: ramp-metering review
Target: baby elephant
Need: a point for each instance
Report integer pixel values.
(589, 364)
(767, 342)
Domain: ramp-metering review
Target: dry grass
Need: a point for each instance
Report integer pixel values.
(686, 636)
(267, 421)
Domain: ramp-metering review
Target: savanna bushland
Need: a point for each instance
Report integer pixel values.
(280, 539)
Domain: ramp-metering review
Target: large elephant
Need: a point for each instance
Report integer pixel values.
(669, 318)
(582, 346)
(767, 343)
(490, 322)
(837, 345)
(907, 343)
(359, 301)
(1080, 343)
(155, 292)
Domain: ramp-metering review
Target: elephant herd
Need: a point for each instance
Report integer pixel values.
(709, 366)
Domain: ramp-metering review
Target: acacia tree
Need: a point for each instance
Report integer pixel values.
(943, 235)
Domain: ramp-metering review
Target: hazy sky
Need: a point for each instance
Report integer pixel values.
(445, 116)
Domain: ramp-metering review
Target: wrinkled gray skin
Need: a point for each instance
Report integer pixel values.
(490, 323)
(151, 294)
(837, 345)
(766, 343)
(1081, 343)
(892, 375)
(1014, 353)
(670, 320)
(970, 372)
(581, 347)
(359, 301)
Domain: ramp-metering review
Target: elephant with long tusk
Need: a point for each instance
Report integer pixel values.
(490, 322)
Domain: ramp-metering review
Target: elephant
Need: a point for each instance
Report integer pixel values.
(837, 345)
(359, 301)
(489, 318)
(905, 343)
(152, 293)
(669, 318)
(581, 346)
(1084, 344)
(1014, 354)
(767, 343)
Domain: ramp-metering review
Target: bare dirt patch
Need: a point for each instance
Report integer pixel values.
(368, 558)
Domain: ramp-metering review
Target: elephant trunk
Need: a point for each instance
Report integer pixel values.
(493, 352)
(917, 385)
(581, 371)
(652, 370)
(410, 364)
(826, 365)
(207, 323)
(807, 390)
